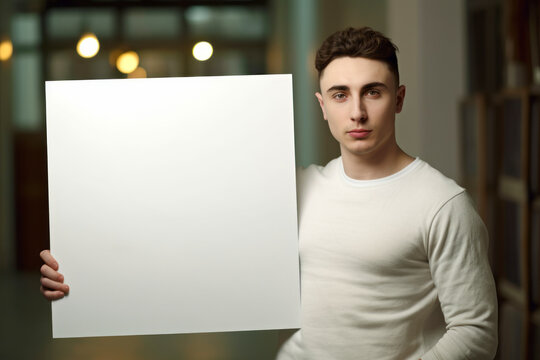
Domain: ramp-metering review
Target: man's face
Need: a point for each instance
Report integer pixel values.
(360, 98)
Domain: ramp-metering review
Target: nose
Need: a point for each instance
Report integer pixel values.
(358, 111)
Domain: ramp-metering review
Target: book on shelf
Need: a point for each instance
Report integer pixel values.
(535, 256)
(534, 158)
(511, 242)
(469, 124)
(491, 146)
(511, 326)
(511, 138)
(535, 342)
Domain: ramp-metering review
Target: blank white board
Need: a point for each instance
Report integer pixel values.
(173, 204)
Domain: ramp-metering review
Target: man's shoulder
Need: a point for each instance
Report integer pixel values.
(314, 170)
(433, 181)
(433, 188)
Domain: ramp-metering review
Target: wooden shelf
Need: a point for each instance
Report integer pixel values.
(514, 189)
(535, 317)
(512, 293)
(536, 203)
(502, 34)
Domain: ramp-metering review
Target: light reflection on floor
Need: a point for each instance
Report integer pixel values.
(25, 333)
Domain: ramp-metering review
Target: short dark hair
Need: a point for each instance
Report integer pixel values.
(358, 42)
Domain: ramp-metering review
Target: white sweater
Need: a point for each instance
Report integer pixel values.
(392, 268)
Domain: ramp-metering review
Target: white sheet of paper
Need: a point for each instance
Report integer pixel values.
(173, 204)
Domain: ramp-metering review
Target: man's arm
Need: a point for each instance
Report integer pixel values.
(457, 255)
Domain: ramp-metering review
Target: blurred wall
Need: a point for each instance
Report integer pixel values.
(429, 33)
(7, 255)
(299, 28)
(431, 37)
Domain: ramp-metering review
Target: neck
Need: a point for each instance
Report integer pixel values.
(376, 165)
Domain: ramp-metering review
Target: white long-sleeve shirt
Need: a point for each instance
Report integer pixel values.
(392, 268)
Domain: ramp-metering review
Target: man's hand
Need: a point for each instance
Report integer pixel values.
(52, 282)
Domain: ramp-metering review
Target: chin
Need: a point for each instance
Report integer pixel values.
(358, 152)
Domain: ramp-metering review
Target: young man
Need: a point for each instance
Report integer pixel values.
(393, 254)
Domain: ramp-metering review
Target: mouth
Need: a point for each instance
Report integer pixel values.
(359, 133)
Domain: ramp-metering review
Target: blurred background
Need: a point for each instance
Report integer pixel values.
(472, 110)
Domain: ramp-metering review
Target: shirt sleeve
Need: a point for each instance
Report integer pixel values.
(457, 254)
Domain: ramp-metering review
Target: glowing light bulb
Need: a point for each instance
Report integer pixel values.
(202, 51)
(88, 45)
(127, 62)
(6, 50)
(137, 73)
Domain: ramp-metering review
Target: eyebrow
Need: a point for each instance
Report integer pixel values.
(367, 86)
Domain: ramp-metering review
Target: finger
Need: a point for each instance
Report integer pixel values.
(51, 295)
(48, 272)
(49, 259)
(49, 284)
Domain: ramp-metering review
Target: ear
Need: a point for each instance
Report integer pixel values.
(321, 104)
(400, 98)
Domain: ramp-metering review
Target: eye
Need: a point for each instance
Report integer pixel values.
(372, 93)
(339, 96)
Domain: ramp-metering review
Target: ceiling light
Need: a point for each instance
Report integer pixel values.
(88, 45)
(202, 51)
(127, 62)
(6, 50)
